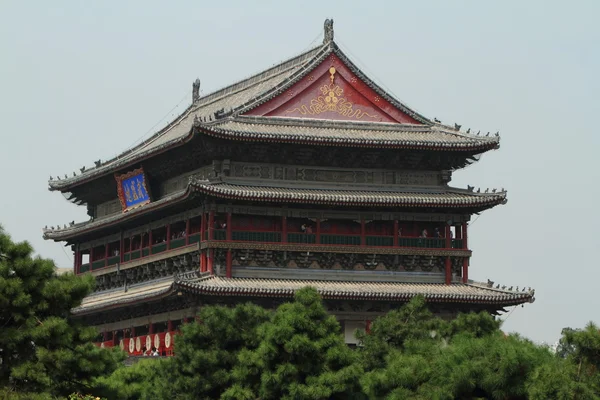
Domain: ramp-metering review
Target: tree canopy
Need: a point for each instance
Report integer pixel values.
(43, 350)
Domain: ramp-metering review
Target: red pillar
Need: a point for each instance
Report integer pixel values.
(211, 225)
(229, 236)
(284, 234)
(168, 236)
(169, 326)
(395, 233)
(211, 259)
(448, 271)
(318, 233)
(363, 237)
(76, 262)
(203, 262)
(448, 237)
(149, 242)
(122, 248)
(203, 227)
(229, 262)
(464, 235)
(465, 272)
(368, 327)
(106, 246)
(187, 231)
(105, 336)
(150, 329)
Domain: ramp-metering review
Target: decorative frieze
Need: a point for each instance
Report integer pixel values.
(295, 173)
(177, 264)
(336, 261)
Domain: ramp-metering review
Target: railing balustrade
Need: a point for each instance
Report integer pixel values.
(248, 236)
(341, 239)
(327, 239)
(380, 240)
(429, 243)
(307, 238)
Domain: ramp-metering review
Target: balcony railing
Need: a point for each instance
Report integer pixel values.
(336, 239)
(341, 239)
(380, 240)
(309, 238)
(256, 236)
(326, 239)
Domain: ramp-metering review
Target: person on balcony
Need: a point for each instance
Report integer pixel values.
(437, 233)
(303, 228)
(309, 229)
(424, 233)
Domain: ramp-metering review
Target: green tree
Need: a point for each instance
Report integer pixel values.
(42, 348)
(575, 373)
(206, 353)
(410, 353)
(302, 355)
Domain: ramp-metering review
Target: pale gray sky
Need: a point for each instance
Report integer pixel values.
(85, 80)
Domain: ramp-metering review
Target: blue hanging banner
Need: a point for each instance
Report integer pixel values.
(132, 189)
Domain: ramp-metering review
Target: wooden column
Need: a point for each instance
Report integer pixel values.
(187, 231)
(229, 235)
(104, 336)
(229, 262)
(464, 236)
(448, 236)
(211, 260)
(202, 226)
(284, 233)
(318, 231)
(149, 242)
(465, 271)
(363, 236)
(75, 261)
(122, 248)
(106, 246)
(368, 327)
(168, 236)
(203, 261)
(150, 328)
(448, 271)
(169, 326)
(211, 225)
(396, 233)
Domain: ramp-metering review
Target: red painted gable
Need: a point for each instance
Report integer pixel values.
(331, 91)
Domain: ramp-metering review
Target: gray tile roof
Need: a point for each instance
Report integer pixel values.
(124, 296)
(397, 197)
(205, 284)
(345, 133)
(245, 95)
(180, 129)
(385, 291)
(59, 233)
(350, 196)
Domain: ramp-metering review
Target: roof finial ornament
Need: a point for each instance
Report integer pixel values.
(328, 28)
(195, 90)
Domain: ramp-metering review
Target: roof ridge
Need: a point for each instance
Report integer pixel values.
(259, 77)
(198, 104)
(324, 123)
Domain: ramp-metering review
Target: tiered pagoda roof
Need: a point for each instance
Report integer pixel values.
(449, 198)
(210, 285)
(255, 109)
